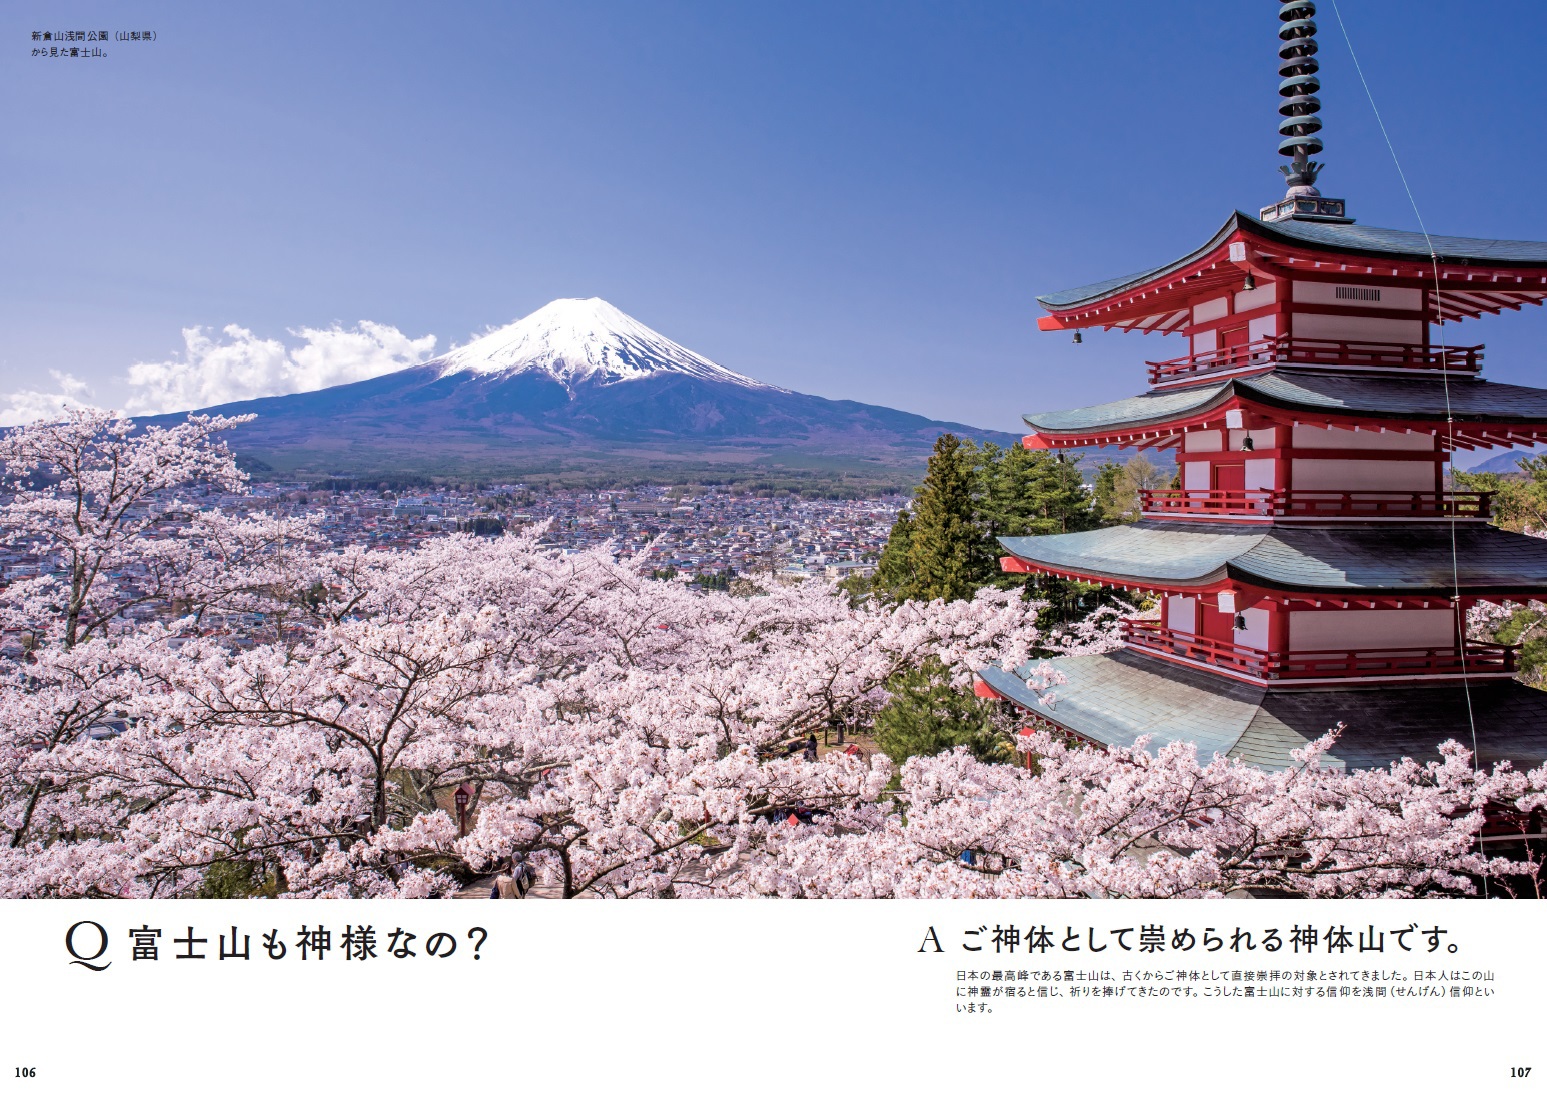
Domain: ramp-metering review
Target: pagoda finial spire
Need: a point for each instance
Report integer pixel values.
(1297, 68)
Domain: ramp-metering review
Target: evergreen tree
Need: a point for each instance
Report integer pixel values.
(1032, 493)
(1035, 493)
(949, 553)
(927, 715)
(971, 496)
(1105, 493)
(894, 571)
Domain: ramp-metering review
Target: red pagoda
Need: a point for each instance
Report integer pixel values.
(1311, 568)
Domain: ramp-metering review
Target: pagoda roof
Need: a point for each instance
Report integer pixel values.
(1384, 560)
(1156, 299)
(1311, 392)
(1116, 698)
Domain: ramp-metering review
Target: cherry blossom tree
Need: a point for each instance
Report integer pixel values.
(630, 737)
(610, 722)
(84, 490)
(1129, 823)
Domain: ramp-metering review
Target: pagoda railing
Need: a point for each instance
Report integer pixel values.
(1316, 351)
(1472, 504)
(1480, 658)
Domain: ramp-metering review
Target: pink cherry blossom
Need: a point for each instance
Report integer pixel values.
(626, 736)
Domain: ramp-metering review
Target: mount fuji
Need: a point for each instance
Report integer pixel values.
(578, 391)
(584, 342)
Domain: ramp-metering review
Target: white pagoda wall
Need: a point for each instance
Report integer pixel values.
(1181, 614)
(1218, 308)
(1326, 292)
(1353, 328)
(1260, 474)
(1262, 296)
(1344, 473)
(1362, 475)
(1255, 634)
(1372, 629)
(1348, 325)
(1262, 327)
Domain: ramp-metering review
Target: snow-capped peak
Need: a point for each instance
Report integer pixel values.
(576, 340)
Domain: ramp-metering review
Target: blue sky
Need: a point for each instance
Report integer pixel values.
(855, 200)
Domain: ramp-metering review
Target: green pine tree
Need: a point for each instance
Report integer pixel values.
(927, 715)
(1032, 493)
(1107, 494)
(894, 570)
(949, 553)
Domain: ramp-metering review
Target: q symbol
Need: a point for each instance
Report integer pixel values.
(87, 959)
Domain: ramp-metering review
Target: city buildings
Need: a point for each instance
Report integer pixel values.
(692, 533)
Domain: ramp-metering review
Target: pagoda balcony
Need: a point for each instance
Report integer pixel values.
(1283, 349)
(1473, 505)
(1476, 659)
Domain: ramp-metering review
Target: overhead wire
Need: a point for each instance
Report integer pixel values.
(1450, 420)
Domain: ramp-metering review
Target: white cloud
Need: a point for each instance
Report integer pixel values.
(236, 365)
(29, 404)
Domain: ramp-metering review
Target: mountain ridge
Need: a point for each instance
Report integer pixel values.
(581, 388)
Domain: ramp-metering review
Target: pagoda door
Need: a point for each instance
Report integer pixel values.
(1230, 477)
(1232, 342)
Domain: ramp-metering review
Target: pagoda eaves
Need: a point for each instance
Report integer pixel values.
(1484, 414)
(1115, 699)
(1476, 276)
(1338, 562)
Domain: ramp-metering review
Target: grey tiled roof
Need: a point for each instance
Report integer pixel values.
(1311, 390)
(1411, 559)
(1346, 238)
(1140, 409)
(1398, 397)
(1116, 698)
(1398, 243)
(1164, 551)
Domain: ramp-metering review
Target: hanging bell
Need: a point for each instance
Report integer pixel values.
(1251, 282)
(1077, 338)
